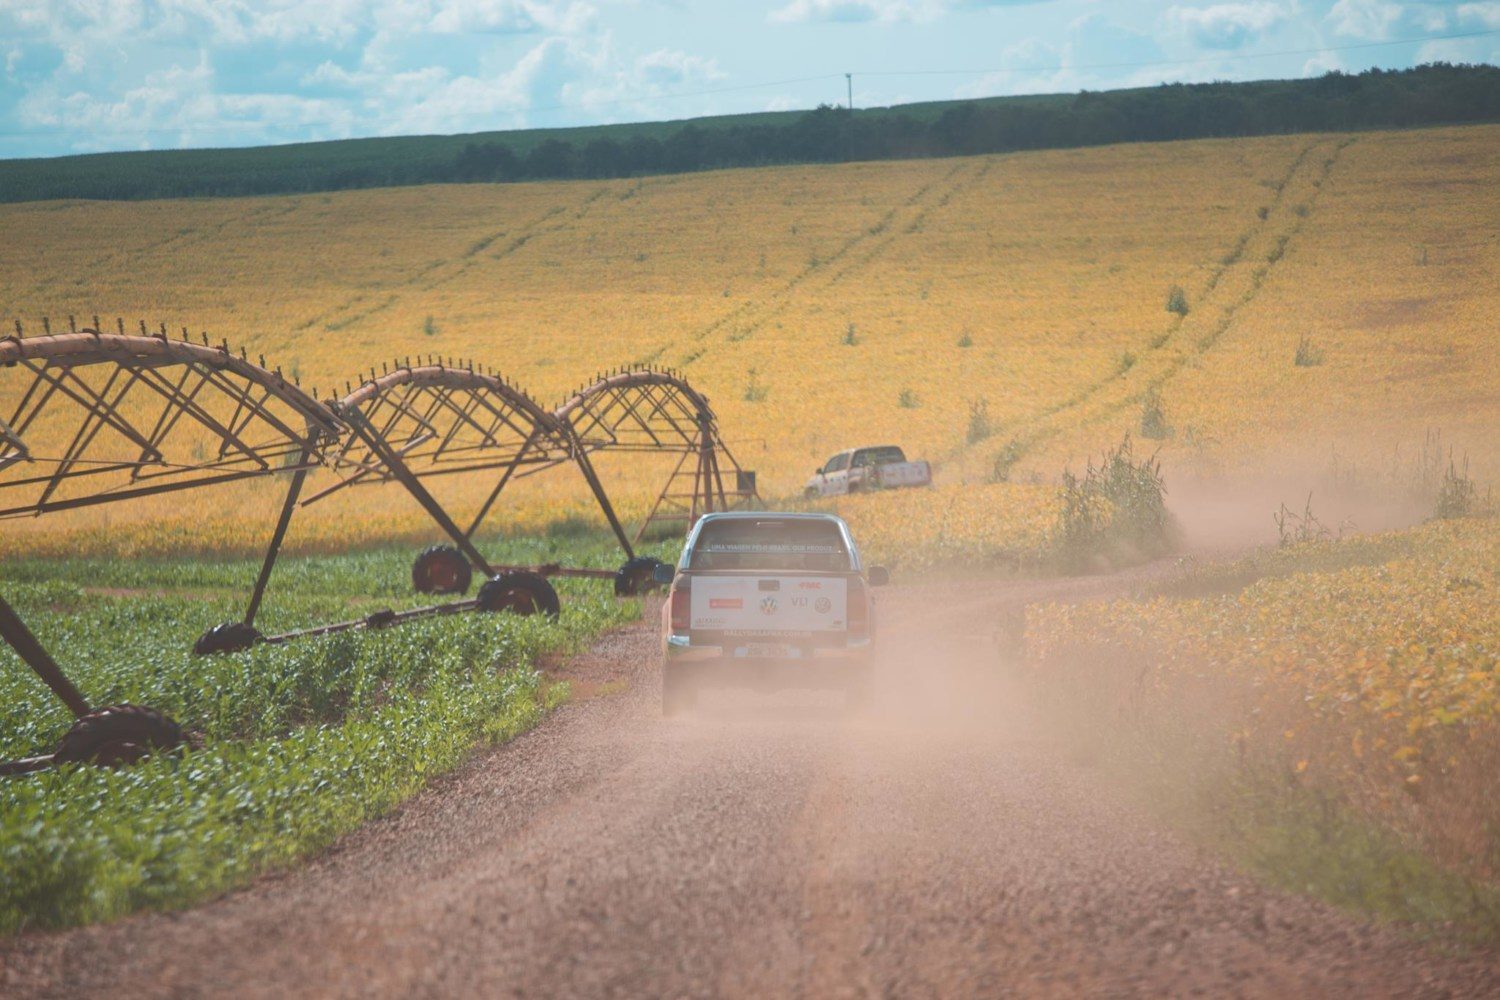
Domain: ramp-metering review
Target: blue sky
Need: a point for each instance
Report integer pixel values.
(89, 75)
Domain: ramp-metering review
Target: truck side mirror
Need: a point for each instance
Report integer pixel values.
(664, 574)
(879, 576)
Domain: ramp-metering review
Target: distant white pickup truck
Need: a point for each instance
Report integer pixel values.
(880, 468)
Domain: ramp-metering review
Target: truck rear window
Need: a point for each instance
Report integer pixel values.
(888, 455)
(816, 546)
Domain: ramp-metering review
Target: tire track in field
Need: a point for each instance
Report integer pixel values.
(180, 240)
(855, 253)
(445, 270)
(1167, 354)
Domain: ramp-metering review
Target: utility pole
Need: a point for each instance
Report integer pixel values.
(849, 79)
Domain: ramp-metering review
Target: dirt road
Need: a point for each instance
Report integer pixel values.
(767, 846)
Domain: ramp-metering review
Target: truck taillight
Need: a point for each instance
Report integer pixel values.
(681, 607)
(859, 606)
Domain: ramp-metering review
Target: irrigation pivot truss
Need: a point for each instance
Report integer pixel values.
(648, 411)
(101, 417)
(90, 417)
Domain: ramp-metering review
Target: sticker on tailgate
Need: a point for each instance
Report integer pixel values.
(780, 604)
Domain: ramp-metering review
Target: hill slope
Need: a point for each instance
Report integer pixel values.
(822, 307)
(1426, 95)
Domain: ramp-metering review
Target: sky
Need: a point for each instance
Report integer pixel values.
(94, 75)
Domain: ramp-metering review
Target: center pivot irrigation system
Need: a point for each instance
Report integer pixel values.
(89, 417)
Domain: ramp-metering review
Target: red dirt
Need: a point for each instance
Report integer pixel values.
(941, 846)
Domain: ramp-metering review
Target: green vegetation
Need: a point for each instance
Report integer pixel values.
(979, 421)
(1116, 514)
(1456, 494)
(1306, 841)
(1309, 355)
(298, 744)
(1177, 301)
(1154, 424)
(1427, 95)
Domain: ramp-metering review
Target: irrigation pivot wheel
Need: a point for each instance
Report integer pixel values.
(637, 576)
(116, 735)
(520, 593)
(230, 637)
(441, 569)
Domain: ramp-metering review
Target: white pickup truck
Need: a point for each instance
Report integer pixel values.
(767, 600)
(858, 469)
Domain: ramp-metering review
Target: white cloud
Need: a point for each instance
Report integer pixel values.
(638, 88)
(179, 106)
(1486, 14)
(856, 11)
(1460, 50)
(1323, 62)
(668, 66)
(1226, 25)
(1368, 20)
(508, 16)
(1043, 66)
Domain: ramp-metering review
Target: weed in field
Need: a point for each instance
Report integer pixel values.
(1154, 424)
(429, 326)
(1115, 512)
(908, 400)
(1005, 460)
(1299, 529)
(979, 421)
(851, 336)
(1456, 493)
(966, 340)
(755, 392)
(1309, 355)
(1177, 301)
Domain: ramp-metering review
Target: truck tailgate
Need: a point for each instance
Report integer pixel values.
(904, 474)
(758, 605)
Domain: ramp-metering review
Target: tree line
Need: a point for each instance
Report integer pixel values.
(1433, 94)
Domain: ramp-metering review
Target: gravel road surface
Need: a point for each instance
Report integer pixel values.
(938, 846)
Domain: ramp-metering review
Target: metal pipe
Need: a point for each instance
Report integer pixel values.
(510, 470)
(30, 649)
(287, 507)
(587, 468)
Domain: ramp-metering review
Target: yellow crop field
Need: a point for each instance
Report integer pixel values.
(1374, 673)
(825, 307)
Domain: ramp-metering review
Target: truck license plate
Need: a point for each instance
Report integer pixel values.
(768, 650)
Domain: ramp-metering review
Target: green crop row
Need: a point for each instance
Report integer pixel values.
(296, 744)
